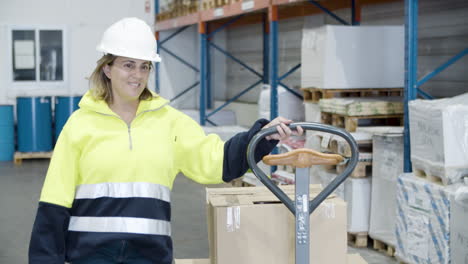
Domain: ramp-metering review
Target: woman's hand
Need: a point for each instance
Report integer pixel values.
(284, 132)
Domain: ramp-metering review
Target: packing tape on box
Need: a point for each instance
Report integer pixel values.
(233, 218)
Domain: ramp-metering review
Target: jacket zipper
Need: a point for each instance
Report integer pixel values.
(129, 130)
(130, 136)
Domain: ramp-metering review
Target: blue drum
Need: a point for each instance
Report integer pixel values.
(64, 107)
(7, 133)
(34, 116)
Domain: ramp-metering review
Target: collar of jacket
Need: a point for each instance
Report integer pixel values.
(88, 102)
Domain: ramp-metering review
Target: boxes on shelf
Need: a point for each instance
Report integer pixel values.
(375, 60)
(439, 138)
(248, 225)
(387, 165)
(355, 106)
(424, 226)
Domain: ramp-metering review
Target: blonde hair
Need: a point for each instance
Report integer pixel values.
(100, 85)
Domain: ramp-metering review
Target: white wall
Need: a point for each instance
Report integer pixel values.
(84, 20)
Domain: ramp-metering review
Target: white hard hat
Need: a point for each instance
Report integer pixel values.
(130, 37)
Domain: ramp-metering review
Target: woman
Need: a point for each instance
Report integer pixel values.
(106, 197)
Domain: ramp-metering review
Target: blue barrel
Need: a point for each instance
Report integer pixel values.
(7, 133)
(64, 107)
(34, 116)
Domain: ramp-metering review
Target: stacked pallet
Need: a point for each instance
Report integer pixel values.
(352, 87)
(432, 202)
(356, 190)
(210, 4)
(175, 8)
(350, 113)
(387, 165)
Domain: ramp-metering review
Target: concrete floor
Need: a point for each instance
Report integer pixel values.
(20, 188)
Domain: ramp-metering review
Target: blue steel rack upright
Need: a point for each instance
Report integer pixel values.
(412, 85)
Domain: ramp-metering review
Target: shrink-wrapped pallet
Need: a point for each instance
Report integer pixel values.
(387, 165)
(439, 137)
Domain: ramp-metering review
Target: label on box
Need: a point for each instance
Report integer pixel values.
(218, 12)
(248, 5)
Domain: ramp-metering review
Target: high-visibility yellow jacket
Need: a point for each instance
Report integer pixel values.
(111, 181)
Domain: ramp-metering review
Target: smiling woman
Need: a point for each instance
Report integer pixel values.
(100, 82)
(106, 197)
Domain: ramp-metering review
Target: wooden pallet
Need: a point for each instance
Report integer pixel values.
(240, 183)
(362, 169)
(420, 172)
(210, 4)
(383, 247)
(315, 94)
(350, 123)
(358, 240)
(20, 156)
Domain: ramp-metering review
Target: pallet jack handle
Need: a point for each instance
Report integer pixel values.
(311, 158)
(302, 159)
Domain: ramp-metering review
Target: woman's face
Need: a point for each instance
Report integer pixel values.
(128, 77)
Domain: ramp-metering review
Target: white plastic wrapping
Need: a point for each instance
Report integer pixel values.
(330, 62)
(423, 226)
(357, 194)
(458, 226)
(312, 112)
(387, 165)
(289, 105)
(439, 137)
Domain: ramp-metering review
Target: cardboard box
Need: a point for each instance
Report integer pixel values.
(355, 259)
(439, 137)
(249, 225)
(352, 259)
(192, 261)
(375, 60)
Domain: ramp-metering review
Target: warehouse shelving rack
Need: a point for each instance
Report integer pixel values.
(412, 84)
(269, 12)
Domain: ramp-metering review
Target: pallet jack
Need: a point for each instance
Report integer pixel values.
(302, 160)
